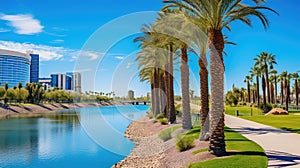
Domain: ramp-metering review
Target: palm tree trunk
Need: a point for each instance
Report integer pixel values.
(156, 93)
(272, 93)
(248, 88)
(186, 115)
(264, 93)
(296, 89)
(268, 84)
(204, 111)
(172, 116)
(217, 137)
(287, 95)
(275, 89)
(281, 92)
(257, 90)
(166, 76)
(162, 94)
(152, 96)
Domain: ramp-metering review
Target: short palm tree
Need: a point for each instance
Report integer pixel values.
(216, 15)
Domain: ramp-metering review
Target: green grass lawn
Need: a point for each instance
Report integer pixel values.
(247, 154)
(289, 122)
(243, 110)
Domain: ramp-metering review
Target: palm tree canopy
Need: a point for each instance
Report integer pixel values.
(218, 14)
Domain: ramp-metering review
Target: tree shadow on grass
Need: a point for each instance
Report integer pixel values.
(248, 153)
(291, 129)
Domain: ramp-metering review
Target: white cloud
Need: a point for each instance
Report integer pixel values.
(119, 57)
(92, 55)
(46, 52)
(24, 24)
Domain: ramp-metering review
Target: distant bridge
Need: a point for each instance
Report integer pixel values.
(135, 102)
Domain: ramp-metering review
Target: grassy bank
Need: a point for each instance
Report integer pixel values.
(242, 153)
(285, 122)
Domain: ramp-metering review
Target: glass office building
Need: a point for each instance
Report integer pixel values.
(34, 68)
(61, 81)
(14, 68)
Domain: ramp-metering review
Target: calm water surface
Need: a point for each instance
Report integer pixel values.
(93, 138)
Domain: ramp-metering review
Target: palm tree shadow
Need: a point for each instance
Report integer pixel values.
(247, 153)
(286, 159)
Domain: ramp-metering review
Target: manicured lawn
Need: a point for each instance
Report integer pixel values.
(247, 154)
(243, 110)
(286, 122)
(289, 122)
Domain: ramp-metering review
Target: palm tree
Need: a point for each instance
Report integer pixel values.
(296, 76)
(247, 80)
(217, 15)
(267, 61)
(256, 71)
(273, 72)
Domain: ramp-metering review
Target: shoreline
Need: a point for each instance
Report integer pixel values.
(37, 110)
(150, 151)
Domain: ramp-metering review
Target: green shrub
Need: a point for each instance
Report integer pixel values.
(165, 135)
(160, 116)
(184, 143)
(266, 108)
(163, 121)
(150, 115)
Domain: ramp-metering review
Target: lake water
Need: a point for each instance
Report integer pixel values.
(91, 137)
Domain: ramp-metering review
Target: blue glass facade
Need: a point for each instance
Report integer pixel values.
(34, 68)
(68, 82)
(14, 68)
(54, 80)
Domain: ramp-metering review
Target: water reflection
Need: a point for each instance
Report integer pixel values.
(58, 139)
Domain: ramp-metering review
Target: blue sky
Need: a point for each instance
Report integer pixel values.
(59, 30)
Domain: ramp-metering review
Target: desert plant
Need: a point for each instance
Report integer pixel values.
(160, 116)
(184, 143)
(149, 114)
(163, 121)
(165, 135)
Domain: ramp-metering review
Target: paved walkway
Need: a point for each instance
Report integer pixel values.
(282, 147)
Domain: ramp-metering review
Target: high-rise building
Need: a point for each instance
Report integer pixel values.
(34, 68)
(76, 81)
(131, 94)
(61, 81)
(14, 68)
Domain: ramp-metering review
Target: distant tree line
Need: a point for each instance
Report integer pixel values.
(36, 93)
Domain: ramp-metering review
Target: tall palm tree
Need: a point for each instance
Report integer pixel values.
(273, 72)
(296, 76)
(217, 15)
(256, 71)
(247, 80)
(267, 61)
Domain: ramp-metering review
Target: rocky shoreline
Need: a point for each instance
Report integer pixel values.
(151, 152)
(34, 110)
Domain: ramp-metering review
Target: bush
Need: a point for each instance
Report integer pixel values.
(160, 116)
(184, 143)
(164, 121)
(150, 115)
(267, 108)
(165, 135)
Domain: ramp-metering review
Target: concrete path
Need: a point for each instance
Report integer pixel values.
(282, 147)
